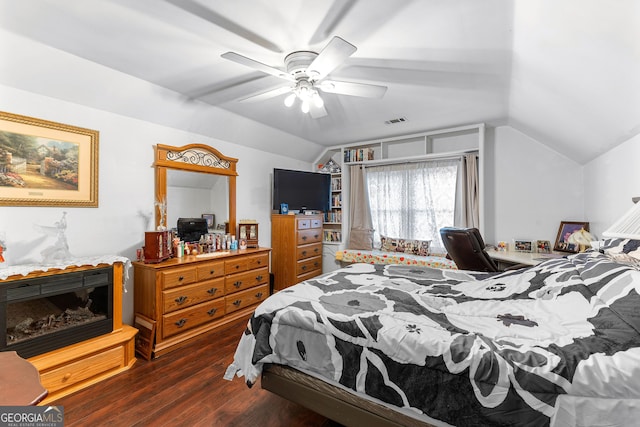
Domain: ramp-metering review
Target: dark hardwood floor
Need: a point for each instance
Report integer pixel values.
(185, 388)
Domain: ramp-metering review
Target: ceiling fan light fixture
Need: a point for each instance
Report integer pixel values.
(290, 99)
(305, 106)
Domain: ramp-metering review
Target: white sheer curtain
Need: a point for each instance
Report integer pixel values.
(413, 200)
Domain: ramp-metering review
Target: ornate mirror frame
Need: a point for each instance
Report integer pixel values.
(194, 158)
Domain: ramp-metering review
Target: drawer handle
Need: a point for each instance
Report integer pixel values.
(259, 262)
(316, 236)
(304, 252)
(237, 302)
(180, 323)
(316, 250)
(181, 299)
(212, 311)
(212, 291)
(211, 272)
(304, 267)
(237, 267)
(304, 237)
(237, 284)
(66, 376)
(181, 278)
(315, 264)
(259, 277)
(259, 295)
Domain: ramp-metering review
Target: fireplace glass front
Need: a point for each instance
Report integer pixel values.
(51, 312)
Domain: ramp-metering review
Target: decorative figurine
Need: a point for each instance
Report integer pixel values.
(59, 251)
(162, 207)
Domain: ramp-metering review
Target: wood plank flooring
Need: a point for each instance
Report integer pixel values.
(185, 388)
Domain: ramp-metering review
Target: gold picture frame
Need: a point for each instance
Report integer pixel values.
(44, 163)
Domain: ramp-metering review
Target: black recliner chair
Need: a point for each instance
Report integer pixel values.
(466, 248)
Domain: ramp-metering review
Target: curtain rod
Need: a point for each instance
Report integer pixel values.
(414, 159)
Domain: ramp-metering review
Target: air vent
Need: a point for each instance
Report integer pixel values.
(395, 121)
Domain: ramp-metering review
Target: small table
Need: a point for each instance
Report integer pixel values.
(19, 381)
(506, 259)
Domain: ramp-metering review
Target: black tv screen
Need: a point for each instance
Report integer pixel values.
(301, 190)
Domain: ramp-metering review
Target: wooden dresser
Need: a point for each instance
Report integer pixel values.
(192, 295)
(297, 248)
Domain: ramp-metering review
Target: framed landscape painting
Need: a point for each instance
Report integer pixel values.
(44, 163)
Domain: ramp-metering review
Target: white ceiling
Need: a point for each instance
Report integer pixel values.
(566, 72)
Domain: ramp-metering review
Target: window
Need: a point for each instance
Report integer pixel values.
(413, 200)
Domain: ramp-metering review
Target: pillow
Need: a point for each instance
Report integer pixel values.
(629, 247)
(414, 247)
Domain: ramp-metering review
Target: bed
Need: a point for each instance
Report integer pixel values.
(556, 344)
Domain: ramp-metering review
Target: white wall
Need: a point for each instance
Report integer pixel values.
(530, 188)
(126, 184)
(610, 181)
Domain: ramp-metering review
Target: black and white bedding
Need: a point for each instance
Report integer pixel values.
(556, 344)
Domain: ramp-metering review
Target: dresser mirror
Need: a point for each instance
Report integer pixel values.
(193, 180)
(191, 194)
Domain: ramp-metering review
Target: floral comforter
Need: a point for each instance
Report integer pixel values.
(555, 344)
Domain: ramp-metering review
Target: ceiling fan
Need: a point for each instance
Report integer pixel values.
(306, 72)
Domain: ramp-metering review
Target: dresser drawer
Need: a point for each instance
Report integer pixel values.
(186, 296)
(210, 270)
(312, 235)
(308, 251)
(308, 265)
(88, 367)
(258, 261)
(241, 281)
(191, 317)
(304, 223)
(236, 265)
(316, 223)
(246, 298)
(178, 277)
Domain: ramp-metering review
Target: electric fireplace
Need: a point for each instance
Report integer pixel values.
(46, 313)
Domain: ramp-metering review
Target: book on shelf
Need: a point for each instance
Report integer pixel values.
(336, 184)
(358, 154)
(336, 200)
(334, 215)
(332, 236)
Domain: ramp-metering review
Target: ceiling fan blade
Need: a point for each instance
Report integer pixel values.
(331, 56)
(333, 17)
(248, 62)
(317, 112)
(219, 20)
(353, 89)
(266, 95)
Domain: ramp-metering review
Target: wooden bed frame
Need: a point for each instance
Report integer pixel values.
(333, 402)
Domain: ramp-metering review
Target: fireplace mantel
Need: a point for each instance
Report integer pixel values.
(71, 368)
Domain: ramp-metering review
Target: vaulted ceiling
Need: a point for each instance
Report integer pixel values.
(566, 72)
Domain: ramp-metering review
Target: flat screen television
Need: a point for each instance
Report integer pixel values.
(190, 229)
(301, 190)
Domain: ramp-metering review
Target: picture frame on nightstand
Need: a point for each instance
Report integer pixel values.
(543, 246)
(521, 245)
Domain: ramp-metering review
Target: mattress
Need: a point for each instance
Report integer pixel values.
(555, 344)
